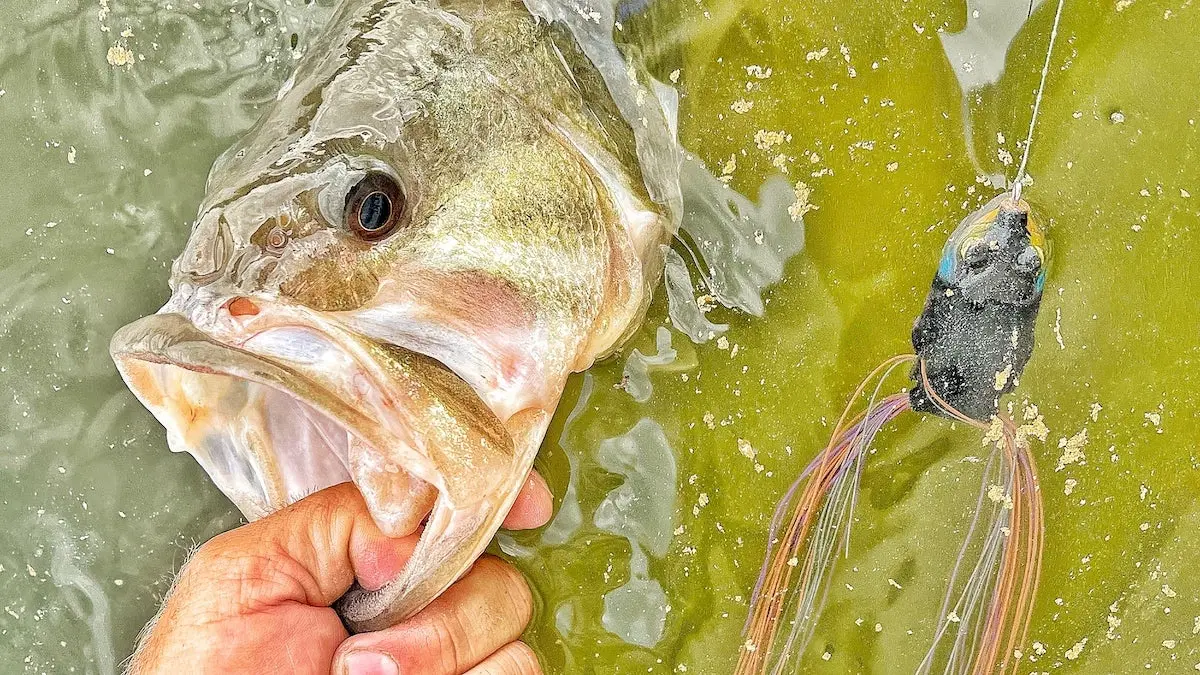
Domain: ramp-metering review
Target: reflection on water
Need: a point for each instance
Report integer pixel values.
(641, 509)
(636, 378)
(567, 517)
(977, 52)
(977, 55)
(103, 167)
(88, 602)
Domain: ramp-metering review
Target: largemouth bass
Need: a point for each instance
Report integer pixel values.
(450, 208)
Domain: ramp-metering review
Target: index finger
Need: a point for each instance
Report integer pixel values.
(485, 610)
(533, 507)
(378, 558)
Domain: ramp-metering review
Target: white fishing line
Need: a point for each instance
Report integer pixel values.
(1037, 102)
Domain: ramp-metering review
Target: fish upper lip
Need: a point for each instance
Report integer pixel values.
(173, 339)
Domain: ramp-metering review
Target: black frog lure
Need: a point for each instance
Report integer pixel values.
(971, 344)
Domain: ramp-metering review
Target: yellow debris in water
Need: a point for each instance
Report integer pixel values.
(741, 106)
(1074, 652)
(758, 72)
(995, 432)
(119, 56)
(765, 140)
(802, 205)
(1114, 622)
(1034, 426)
(1072, 449)
(1002, 378)
(997, 494)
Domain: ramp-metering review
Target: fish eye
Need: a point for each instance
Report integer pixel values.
(374, 206)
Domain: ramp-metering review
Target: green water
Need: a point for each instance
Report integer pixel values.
(648, 565)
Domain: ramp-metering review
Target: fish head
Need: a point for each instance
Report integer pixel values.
(997, 254)
(389, 281)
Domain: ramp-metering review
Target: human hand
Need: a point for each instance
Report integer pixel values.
(257, 599)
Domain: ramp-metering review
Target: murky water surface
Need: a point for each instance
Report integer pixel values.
(894, 116)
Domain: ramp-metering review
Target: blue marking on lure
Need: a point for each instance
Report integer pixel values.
(949, 260)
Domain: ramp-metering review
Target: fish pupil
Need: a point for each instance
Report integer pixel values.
(375, 211)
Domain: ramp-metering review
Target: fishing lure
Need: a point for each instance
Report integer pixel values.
(971, 343)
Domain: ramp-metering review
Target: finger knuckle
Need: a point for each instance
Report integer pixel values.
(516, 589)
(235, 580)
(519, 659)
(444, 639)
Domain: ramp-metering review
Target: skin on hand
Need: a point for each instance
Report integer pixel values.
(257, 599)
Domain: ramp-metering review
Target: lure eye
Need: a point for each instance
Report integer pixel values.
(374, 207)
(975, 253)
(1029, 260)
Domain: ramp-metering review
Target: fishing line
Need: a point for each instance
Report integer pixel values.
(1037, 102)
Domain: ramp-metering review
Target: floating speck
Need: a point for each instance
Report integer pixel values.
(758, 72)
(765, 140)
(119, 56)
(746, 449)
(1117, 117)
(1072, 449)
(1074, 652)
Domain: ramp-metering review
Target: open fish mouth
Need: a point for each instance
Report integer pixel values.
(295, 403)
(297, 407)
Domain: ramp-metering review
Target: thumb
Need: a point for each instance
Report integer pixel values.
(309, 552)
